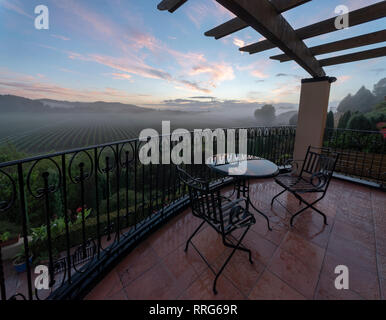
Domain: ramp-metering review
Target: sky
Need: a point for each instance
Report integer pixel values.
(128, 51)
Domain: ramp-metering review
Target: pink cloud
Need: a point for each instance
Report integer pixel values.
(34, 88)
(257, 69)
(218, 72)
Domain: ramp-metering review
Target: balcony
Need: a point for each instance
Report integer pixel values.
(107, 227)
(289, 263)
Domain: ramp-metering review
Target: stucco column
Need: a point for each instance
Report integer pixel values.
(313, 105)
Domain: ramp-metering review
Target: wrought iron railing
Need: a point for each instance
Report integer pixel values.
(78, 211)
(362, 153)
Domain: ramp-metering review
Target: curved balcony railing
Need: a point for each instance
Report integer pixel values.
(78, 212)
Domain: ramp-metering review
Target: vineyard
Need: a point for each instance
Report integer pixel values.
(42, 133)
(47, 133)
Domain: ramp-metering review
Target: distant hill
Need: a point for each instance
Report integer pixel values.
(364, 100)
(98, 106)
(10, 103)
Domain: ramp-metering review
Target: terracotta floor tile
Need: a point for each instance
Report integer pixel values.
(270, 287)
(240, 271)
(304, 250)
(356, 253)
(210, 244)
(383, 288)
(202, 289)
(172, 235)
(155, 284)
(354, 235)
(185, 267)
(326, 291)
(262, 249)
(381, 265)
(275, 236)
(106, 288)
(299, 275)
(137, 262)
(361, 281)
(314, 231)
(380, 240)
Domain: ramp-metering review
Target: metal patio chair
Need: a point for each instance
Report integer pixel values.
(314, 177)
(223, 214)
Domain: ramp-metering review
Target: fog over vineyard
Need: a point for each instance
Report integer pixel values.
(40, 126)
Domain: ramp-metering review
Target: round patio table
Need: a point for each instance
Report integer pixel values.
(242, 169)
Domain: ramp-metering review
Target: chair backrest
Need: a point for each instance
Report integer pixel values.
(205, 201)
(318, 166)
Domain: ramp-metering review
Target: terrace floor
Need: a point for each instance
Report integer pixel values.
(289, 263)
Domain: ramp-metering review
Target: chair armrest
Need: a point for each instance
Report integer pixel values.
(293, 164)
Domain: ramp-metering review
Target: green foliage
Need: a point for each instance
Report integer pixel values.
(359, 122)
(5, 236)
(13, 228)
(344, 119)
(381, 106)
(330, 120)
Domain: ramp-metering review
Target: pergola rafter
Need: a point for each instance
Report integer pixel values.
(236, 24)
(350, 43)
(265, 17)
(363, 15)
(357, 56)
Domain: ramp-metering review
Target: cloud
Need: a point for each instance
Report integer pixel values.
(256, 69)
(198, 12)
(34, 88)
(343, 79)
(60, 37)
(289, 75)
(238, 42)
(15, 6)
(122, 76)
(217, 72)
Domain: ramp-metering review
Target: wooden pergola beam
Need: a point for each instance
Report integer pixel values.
(355, 42)
(363, 15)
(263, 17)
(352, 57)
(170, 5)
(236, 24)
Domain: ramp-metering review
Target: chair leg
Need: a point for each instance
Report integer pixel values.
(308, 205)
(273, 199)
(193, 234)
(235, 247)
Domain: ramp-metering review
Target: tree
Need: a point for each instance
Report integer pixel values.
(343, 120)
(359, 122)
(266, 115)
(330, 120)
